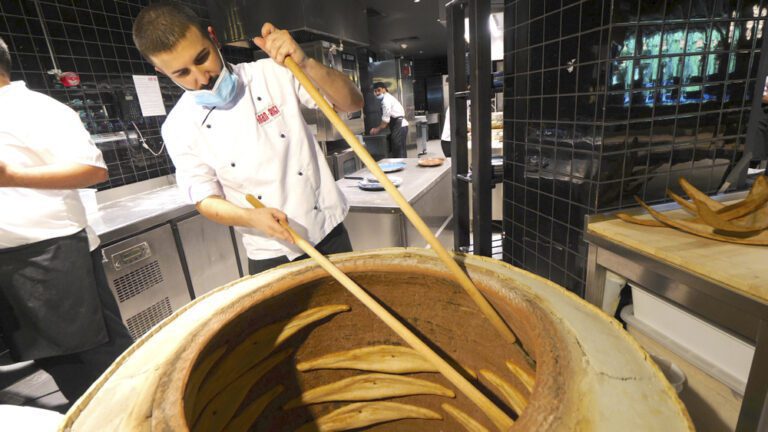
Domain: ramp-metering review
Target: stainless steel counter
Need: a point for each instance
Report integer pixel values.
(122, 216)
(375, 220)
(158, 253)
(417, 181)
(126, 216)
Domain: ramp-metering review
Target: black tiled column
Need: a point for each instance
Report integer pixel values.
(606, 100)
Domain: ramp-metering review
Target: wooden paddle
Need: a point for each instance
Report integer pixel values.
(497, 416)
(407, 209)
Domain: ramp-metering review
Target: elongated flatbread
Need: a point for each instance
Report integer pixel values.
(257, 347)
(639, 221)
(362, 414)
(756, 198)
(464, 419)
(514, 398)
(198, 374)
(703, 230)
(682, 202)
(685, 205)
(224, 405)
(711, 218)
(739, 212)
(695, 194)
(527, 379)
(251, 412)
(379, 358)
(370, 387)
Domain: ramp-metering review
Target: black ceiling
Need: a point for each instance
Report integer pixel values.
(396, 28)
(395, 22)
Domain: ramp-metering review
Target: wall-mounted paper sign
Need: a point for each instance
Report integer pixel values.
(150, 98)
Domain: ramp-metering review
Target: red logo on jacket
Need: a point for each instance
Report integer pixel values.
(268, 114)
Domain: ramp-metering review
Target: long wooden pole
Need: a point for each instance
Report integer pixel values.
(497, 416)
(407, 209)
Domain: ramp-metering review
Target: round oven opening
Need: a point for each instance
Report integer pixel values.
(312, 350)
(585, 372)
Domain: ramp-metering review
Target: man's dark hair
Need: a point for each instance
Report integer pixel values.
(379, 84)
(5, 59)
(160, 26)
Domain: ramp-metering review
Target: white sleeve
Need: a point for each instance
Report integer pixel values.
(446, 136)
(63, 138)
(303, 94)
(304, 97)
(195, 178)
(386, 110)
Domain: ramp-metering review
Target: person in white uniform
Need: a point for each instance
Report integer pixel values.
(445, 137)
(238, 129)
(55, 304)
(392, 117)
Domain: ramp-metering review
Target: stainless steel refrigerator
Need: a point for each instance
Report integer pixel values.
(337, 58)
(340, 157)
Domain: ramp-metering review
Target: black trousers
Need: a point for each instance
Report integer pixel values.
(57, 309)
(446, 145)
(337, 241)
(397, 137)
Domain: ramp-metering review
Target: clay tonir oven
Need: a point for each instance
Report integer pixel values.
(589, 375)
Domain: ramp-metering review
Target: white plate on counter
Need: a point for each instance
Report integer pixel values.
(371, 184)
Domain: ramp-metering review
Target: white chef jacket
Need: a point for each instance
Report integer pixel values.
(446, 136)
(261, 146)
(391, 107)
(37, 130)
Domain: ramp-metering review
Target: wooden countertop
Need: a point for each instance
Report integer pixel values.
(741, 268)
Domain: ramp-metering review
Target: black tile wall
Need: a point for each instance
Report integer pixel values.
(93, 39)
(606, 100)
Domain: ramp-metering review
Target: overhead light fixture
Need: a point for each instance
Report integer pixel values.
(403, 45)
(416, 1)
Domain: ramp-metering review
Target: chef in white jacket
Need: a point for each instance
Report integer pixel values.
(392, 118)
(238, 129)
(56, 307)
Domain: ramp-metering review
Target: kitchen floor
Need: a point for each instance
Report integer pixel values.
(433, 150)
(25, 384)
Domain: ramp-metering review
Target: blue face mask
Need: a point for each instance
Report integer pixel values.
(380, 96)
(223, 91)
